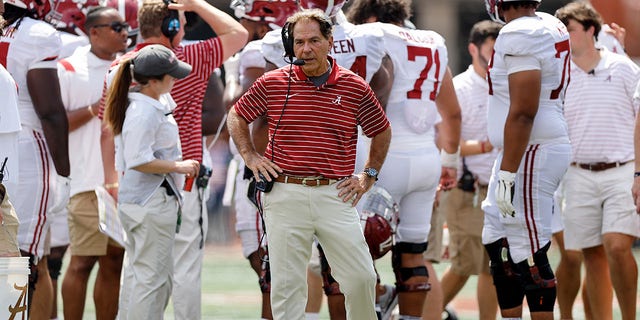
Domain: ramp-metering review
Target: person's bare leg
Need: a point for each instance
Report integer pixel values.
(74, 286)
(567, 276)
(451, 284)
(624, 271)
(433, 305)
(42, 298)
(486, 295)
(315, 295)
(107, 287)
(586, 305)
(600, 292)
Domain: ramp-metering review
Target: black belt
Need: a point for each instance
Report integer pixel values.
(168, 188)
(599, 166)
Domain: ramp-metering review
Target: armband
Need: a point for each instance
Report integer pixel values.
(449, 160)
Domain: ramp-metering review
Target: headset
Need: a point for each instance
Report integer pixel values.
(171, 23)
(287, 42)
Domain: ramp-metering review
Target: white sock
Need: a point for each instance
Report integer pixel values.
(409, 318)
(311, 316)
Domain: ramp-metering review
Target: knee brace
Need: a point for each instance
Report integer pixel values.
(329, 284)
(265, 274)
(404, 274)
(505, 275)
(54, 262)
(539, 281)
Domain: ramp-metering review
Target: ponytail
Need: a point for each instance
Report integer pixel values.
(117, 98)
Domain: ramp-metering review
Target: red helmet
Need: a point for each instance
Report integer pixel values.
(493, 5)
(274, 12)
(40, 8)
(330, 7)
(128, 10)
(380, 216)
(70, 15)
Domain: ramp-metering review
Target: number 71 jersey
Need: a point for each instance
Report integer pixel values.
(541, 43)
(419, 64)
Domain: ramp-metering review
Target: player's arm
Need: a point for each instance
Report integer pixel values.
(44, 89)
(232, 34)
(448, 130)
(382, 81)
(449, 109)
(524, 91)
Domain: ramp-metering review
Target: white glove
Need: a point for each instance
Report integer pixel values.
(61, 189)
(232, 68)
(504, 193)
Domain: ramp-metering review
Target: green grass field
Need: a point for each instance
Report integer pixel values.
(230, 290)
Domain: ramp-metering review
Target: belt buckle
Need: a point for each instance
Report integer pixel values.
(304, 182)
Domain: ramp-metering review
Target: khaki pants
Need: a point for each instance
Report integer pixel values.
(293, 215)
(9, 228)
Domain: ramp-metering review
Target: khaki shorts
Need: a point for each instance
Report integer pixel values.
(464, 221)
(9, 229)
(84, 235)
(434, 248)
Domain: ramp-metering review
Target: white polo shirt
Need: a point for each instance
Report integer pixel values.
(9, 127)
(149, 132)
(81, 77)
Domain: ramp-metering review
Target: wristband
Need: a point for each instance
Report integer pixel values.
(91, 111)
(449, 160)
(636, 174)
(111, 185)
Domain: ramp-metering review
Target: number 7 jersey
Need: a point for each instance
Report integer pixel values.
(419, 64)
(539, 42)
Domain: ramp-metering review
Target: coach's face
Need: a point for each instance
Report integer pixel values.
(311, 46)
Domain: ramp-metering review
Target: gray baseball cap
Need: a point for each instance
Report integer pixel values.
(157, 60)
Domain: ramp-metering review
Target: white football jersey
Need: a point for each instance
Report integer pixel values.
(34, 44)
(251, 57)
(419, 64)
(539, 43)
(359, 48)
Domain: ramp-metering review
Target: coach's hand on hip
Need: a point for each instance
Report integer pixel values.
(352, 188)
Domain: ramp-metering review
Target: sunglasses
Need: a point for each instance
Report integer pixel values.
(115, 26)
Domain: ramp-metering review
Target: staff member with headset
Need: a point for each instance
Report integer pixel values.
(149, 155)
(313, 108)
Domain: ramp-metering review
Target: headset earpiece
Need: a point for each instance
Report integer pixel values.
(287, 41)
(171, 23)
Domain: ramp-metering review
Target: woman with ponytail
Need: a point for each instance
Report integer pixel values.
(149, 158)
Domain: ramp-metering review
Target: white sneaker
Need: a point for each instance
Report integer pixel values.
(388, 302)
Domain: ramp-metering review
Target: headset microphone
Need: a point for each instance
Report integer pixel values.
(299, 62)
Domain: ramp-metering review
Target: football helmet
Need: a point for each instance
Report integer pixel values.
(273, 12)
(380, 217)
(493, 5)
(70, 15)
(330, 7)
(38, 8)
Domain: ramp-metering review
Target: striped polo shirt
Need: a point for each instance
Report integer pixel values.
(317, 129)
(188, 93)
(600, 111)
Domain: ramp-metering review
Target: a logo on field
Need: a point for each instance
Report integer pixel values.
(337, 100)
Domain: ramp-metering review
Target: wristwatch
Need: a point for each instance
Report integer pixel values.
(371, 173)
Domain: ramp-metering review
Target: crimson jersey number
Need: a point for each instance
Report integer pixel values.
(433, 58)
(4, 51)
(359, 66)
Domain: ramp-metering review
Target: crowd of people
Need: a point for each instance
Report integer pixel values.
(351, 138)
